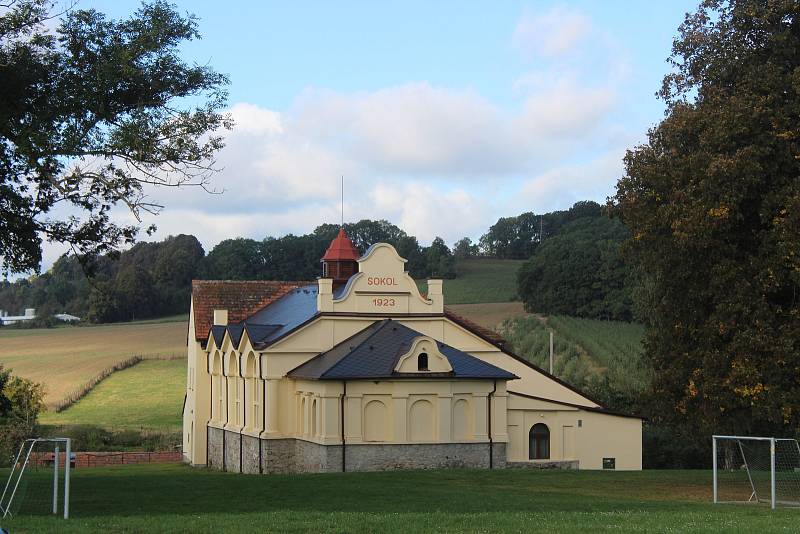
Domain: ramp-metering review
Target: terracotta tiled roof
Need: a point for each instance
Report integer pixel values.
(242, 298)
(487, 333)
(341, 248)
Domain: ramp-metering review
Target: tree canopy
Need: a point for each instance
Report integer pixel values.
(92, 113)
(579, 272)
(713, 204)
(154, 278)
(518, 237)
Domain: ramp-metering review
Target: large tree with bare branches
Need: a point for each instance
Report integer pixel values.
(93, 113)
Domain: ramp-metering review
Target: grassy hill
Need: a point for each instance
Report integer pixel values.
(64, 359)
(481, 280)
(177, 498)
(148, 395)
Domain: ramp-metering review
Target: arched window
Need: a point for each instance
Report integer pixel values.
(422, 361)
(539, 442)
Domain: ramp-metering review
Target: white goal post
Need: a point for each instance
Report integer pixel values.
(752, 469)
(35, 459)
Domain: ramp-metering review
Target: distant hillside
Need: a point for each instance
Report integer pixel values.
(481, 280)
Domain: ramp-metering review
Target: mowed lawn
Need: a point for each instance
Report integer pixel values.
(481, 280)
(64, 359)
(147, 395)
(176, 498)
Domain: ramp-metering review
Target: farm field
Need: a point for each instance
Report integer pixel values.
(481, 280)
(148, 395)
(610, 343)
(490, 314)
(583, 348)
(64, 359)
(177, 498)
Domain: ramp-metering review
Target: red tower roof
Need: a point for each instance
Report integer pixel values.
(341, 249)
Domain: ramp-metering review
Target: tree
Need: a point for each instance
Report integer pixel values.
(90, 115)
(464, 248)
(440, 262)
(21, 401)
(134, 292)
(235, 259)
(579, 272)
(103, 305)
(713, 204)
(518, 237)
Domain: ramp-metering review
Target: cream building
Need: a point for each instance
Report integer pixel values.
(360, 371)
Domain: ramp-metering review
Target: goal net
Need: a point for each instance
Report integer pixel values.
(751, 469)
(38, 479)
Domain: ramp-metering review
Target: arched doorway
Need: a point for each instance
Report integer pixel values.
(539, 442)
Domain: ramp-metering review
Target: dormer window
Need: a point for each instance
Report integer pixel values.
(423, 356)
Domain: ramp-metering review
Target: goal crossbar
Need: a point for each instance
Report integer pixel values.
(18, 471)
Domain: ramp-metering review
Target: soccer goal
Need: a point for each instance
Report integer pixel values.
(35, 484)
(751, 469)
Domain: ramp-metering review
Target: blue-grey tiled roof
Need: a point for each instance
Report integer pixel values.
(373, 354)
(274, 321)
(219, 334)
(288, 312)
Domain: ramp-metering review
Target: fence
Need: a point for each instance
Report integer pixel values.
(97, 459)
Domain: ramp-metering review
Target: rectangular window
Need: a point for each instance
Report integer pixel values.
(609, 463)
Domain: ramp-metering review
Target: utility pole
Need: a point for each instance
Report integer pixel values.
(540, 229)
(551, 352)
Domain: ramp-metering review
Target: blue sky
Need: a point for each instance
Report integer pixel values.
(442, 116)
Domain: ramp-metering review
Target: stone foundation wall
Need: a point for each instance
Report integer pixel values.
(251, 455)
(378, 457)
(215, 439)
(555, 464)
(233, 448)
(278, 455)
(235, 452)
(315, 458)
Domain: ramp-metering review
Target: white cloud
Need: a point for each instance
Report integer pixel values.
(426, 212)
(566, 109)
(434, 160)
(566, 184)
(552, 33)
(255, 120)
(429, 159)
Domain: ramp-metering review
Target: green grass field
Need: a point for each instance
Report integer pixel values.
(148, 395)
(63, 359)
(481, 280)
(176, 498)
